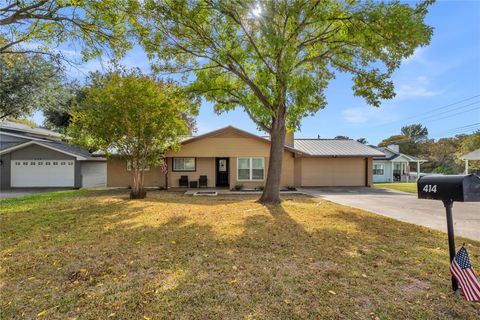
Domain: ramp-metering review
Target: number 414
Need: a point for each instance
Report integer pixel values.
(430, 188)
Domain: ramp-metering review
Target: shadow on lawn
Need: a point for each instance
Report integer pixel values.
(182, 269)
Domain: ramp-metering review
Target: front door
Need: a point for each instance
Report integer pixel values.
(221, 172)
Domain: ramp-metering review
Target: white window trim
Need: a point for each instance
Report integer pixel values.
(184, 170)
(250, 160)
(382, 167)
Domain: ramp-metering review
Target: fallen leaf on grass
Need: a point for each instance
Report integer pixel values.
(41, 313)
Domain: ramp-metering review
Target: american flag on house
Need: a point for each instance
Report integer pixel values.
(462, 270)
(164, 166)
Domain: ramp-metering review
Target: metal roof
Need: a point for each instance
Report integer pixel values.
(335, 147)
(474, 155)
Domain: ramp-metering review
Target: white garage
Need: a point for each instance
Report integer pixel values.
(42, 173)
(94, 174)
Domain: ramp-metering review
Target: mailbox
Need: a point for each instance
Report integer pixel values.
(463, 188)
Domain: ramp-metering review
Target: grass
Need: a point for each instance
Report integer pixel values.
(401, 186)
(99, 255)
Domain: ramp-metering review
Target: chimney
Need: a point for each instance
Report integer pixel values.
(289, 138)
(394, 147)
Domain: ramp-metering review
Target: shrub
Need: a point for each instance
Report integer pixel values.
(446, 168)
(238, 187)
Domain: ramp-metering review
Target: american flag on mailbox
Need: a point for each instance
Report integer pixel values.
(462, 270)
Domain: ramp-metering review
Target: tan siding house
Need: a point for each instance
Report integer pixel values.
(230, 157)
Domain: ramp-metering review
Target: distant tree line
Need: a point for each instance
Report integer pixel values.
(443, 155)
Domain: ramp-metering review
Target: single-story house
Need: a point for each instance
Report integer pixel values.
(471, 156)
(231, 157)
(36, 157)
(394, 166)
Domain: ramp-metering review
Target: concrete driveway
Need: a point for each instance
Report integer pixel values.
(21, 192)
(406, 207)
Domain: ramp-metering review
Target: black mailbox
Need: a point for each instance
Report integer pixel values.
(463, 188)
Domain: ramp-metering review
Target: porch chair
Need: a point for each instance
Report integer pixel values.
(183, 181)
(202, 182)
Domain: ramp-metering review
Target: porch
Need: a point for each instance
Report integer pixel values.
(222, 173)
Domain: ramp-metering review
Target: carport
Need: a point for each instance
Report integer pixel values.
(472, 156)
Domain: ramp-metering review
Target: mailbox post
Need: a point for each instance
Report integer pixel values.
(463, 188)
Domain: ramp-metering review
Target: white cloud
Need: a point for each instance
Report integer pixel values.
(416, 87)
(418, 56)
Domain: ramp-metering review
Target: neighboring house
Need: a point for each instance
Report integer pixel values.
(472, 156)
(394, 166)
(229, 157)
(36, 157)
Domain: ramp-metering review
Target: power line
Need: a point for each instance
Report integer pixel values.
(467, 127)
(431, 110)
(442, 107)
(448, 111)
(455, 114)
(453, 131)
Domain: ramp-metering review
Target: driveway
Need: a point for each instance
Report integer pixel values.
(21, 192)
(406, 207)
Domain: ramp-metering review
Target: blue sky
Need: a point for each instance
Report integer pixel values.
(444, 73)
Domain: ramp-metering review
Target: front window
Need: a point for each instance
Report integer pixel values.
(250, 168)
(378, 169)
(184, 164)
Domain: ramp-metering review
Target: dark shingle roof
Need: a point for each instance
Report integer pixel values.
(28, 130)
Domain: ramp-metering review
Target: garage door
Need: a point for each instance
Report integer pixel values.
(42, 173)
(329, 172)
(94, 174)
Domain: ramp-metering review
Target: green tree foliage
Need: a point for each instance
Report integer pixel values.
(275, 58)
(411, 140)
(446, 168)
(93, 25)
(405, 144)
(135, 117)
(415, 132)
(28, 82)
(58, 116)
(469, 143)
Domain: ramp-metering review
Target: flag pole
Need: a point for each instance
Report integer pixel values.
(451, 238)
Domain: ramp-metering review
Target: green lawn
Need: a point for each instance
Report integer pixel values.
(401, 186)
(99, 255)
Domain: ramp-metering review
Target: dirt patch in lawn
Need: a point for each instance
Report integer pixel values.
(99, 255)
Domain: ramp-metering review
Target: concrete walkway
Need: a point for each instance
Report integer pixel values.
(406, 207)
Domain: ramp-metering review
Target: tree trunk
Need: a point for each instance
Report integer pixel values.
(271, 192)
(137, 192)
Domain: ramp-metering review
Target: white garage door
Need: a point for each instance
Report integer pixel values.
(329, 172)
(42, 173)
(94, 174)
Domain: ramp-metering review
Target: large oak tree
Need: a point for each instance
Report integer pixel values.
(37, 26)
(275, 58)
